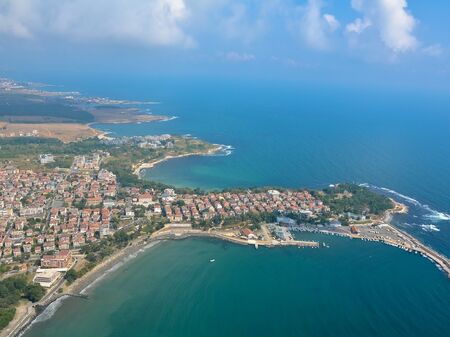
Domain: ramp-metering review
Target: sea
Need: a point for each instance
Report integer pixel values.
(287, 134)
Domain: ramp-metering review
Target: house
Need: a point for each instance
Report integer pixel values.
(61, 260)
(17, 251)
(249, 234)
(157, 209)
(145, 199)
(354, 230)
(49, 246)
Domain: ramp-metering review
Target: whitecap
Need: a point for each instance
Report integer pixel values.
(169, 119)
(432, 214)
(50, 310)
(430, 228)
(224, 150)
(48, 313)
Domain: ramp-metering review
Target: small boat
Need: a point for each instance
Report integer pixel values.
(212, 260)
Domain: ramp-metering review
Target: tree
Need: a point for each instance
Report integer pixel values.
(71, 275)
(121, 237)
(34, 292)
(91, 257)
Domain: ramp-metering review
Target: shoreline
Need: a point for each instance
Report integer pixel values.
(88, 280)
(151, 164)
(82, 285)
(79, 287)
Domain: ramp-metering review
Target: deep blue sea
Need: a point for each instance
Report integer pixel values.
(296, 135)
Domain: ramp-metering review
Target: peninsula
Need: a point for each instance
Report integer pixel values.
(26, 110)
(72, 201)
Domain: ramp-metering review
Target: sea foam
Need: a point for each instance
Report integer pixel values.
(431, 214)
(430, 228)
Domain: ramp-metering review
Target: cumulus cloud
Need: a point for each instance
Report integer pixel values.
(314, 26)
(392, 20)
(157, 22)
(332, 22)
(358, 26)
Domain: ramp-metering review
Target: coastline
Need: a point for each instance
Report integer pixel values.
(82, 285)
(149, 165)
(88, 280)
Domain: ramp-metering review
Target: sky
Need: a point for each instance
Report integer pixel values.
(351, 42)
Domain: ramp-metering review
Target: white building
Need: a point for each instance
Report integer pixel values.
(46, 158)
(47, 278)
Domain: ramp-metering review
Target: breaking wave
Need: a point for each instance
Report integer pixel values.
(431, 214)
(225, 150)
(117, 265)
(169, 119)
(48, 313)
(430, 228)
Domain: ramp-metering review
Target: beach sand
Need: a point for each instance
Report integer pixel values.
(148, 165)
(82, 284)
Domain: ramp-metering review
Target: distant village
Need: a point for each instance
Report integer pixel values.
(150, 142)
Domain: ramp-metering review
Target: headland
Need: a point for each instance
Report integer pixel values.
(76, 206)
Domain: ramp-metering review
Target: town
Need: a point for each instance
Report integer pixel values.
(57, 224)
(48, 216)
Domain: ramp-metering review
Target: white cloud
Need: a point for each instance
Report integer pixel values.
(16, 16)
(157, 22)
(239, 57)
(314, 26)
(434, 50)
(332, 22)
(392, 20)
(358, 26)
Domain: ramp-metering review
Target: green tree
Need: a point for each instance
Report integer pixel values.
(71, 275)
(34, 292)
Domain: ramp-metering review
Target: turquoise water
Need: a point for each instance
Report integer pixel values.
(353, 288)
(295, 135)
(292, 135)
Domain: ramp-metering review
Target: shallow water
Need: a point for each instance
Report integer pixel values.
(354, 288)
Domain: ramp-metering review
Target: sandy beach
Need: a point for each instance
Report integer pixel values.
(26, 313)
(82, 284)
(148, 165)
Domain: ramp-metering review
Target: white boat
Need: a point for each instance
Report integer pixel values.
(212, 260)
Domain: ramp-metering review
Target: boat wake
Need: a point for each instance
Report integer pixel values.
(430, 214)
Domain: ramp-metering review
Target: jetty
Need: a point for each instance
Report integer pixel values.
(384, 233)
(168, 233)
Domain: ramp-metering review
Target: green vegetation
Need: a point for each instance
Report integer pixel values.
(37, 109)
(4, 268)
(350, 198)
(98, 251)
(71, 275)
(12, 290)
(23, 152)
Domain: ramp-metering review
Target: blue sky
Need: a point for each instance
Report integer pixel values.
(400, 42)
